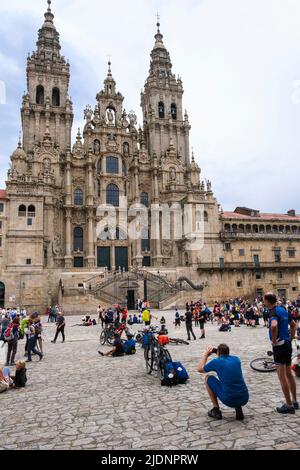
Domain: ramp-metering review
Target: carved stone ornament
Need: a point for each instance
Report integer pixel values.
(79, 218)
(167, 247)
(57, 246)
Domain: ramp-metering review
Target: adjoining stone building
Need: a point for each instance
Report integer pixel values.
(52, 248)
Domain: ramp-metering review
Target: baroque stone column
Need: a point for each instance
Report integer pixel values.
(90, 205)
(156, 231)
(68, 257)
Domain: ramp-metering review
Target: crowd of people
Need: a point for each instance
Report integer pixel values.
(281, 318)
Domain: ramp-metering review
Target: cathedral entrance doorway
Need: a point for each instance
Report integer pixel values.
(103, 257)
(121, 257)
(2, 295)
(130, 299)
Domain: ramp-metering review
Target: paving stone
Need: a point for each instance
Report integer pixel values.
(112, 404)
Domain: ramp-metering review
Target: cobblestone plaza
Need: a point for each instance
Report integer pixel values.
(77, 400)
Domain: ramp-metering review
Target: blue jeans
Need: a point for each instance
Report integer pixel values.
(32, 349)
(217, 388)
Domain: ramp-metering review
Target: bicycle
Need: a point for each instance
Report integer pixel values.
(264, 364)
(156, 355)
(107, 335)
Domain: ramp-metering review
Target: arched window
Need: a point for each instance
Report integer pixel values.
(99, 167)
(205, 216)
(161, 110)
(241, 228)
(78, 197)
(124, 169)
(145, 199)
(255, 228)
(261, 229)
(174, 111)
(22, 211)
(112, 195)
(55, 97)
(248, 228)
(112, 165)
(40, 95)
(31, 211)
(145, 239)
(78, 239)
(268, 229)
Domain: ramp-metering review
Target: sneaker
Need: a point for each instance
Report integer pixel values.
(215, 413)
(28, 360)
(53, 342)
(12, 364)
(202, 337)
(101, 353)
(296, 405)
(41, 357)
(239, 413)
(285, 409)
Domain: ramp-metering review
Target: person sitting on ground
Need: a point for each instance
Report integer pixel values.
(117, 350)
(20, 379)
(135, 319)
(140, 321)
(5, 381)
(163, 321)
(230, 387)
(130, 344)
(130, 320)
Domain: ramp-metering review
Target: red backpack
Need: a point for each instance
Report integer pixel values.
(9, 334)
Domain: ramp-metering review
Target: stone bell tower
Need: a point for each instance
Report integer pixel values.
(161, 102)
(47, 108)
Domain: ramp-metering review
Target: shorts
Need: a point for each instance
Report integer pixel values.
(177, 322)
(237, 316)
(217, 388)
(202, 323)
(283, 354)
(147, 323)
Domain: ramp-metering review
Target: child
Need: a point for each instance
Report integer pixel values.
(20, 379)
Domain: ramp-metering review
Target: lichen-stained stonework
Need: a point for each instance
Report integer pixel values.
(50, 212)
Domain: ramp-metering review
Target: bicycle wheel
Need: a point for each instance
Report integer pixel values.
(178, 341)
(263, 365)
(148, 355)
(103, 337)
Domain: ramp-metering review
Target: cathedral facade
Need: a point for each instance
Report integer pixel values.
(86, 223)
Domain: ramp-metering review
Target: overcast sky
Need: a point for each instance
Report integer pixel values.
(240, 65)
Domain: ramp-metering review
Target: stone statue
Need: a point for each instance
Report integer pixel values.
(208, 185)
(132, 118)
(96, 147)
(126, 149)
(47, 165)
(110, 116)
(172, 174)
(88, 113)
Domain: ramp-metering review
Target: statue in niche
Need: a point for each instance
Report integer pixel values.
(110, 114)
(46, 166)
(172, 174)
(126, 149)
(97, 147)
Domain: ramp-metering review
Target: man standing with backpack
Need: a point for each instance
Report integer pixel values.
(282, 330)
(189, 324)
(11, 336)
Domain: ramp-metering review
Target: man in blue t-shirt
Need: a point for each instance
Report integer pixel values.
(230, 386)
(282, 330)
